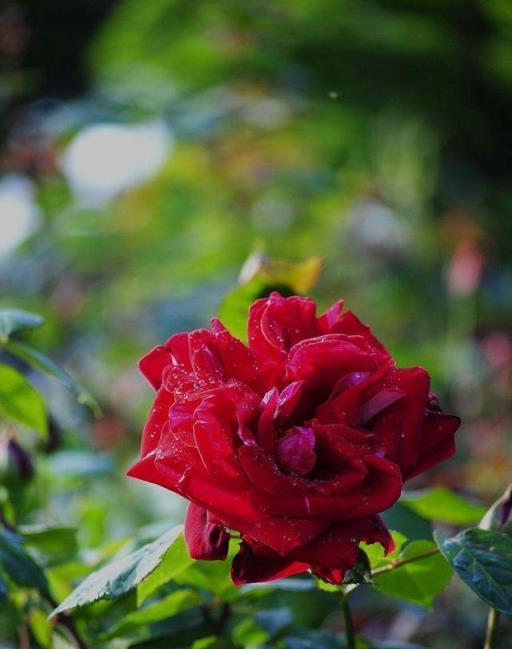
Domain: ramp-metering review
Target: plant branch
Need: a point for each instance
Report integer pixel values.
(402, 562)
(349, 624)
(492, 629)
(66, 621)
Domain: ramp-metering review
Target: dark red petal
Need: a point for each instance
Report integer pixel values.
(323, 360)
(350, 392)
(437, 441)
(152, 365)
(329, 317)
(377, 404)
(296, 451)
(350, 324)
(266, 428)
(277, 323)
(415, 384)
(248, 567)
(205, 540)
(157, 420)
(179, 348)
(214, 434)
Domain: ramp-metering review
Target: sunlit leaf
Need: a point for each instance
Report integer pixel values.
(416, 581)
(122, 574)
(441, 504)
(21, 402)
(483, 560)
(41, 362)
(13, 320)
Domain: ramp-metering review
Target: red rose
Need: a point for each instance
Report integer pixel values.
(297, 441)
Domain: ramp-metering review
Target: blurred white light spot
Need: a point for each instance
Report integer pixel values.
(106, 159)
(19, 214)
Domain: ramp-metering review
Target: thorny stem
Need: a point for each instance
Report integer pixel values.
(402, 562)
(349, 624)
(492, 629)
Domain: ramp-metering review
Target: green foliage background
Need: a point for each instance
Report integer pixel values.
(375, 134)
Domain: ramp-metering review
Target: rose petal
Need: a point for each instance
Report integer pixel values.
(248, 567)
(205, 540)
(152, 365)
(157, 420)
(296, 451)
(437, 441)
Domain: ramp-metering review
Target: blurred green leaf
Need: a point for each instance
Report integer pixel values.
(409, 523)
(122, 574)
(19, 565)
(441, 504)
(40, 627)
(57, 541)
(14, 320)
(21, 402)
(211, 642)
(170, 605)
(483, 560)
(213, 576)
(275, 620)
(41, 362)
(3, 589)
(249, 633)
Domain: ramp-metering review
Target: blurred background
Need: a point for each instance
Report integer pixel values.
(147, 149)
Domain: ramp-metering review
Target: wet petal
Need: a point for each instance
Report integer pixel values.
(152, 365)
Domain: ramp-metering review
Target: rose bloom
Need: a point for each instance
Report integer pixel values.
(297, 441)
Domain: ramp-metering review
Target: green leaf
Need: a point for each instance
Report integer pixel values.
(122, 574)
(13, 320)
(20, 402)
(175, 562)
(265, 276)
(41, 627)
(211, 642)
(440, 504)
(404, 520)
(55, 541)
(249, 633)
(174, 603)
(418, 582)
(4, 591)
(212, 577)
(483, 560)
(19, 565)
(41, 362)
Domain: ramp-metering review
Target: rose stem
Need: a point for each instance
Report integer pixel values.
(492, 628)
(349, 624)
